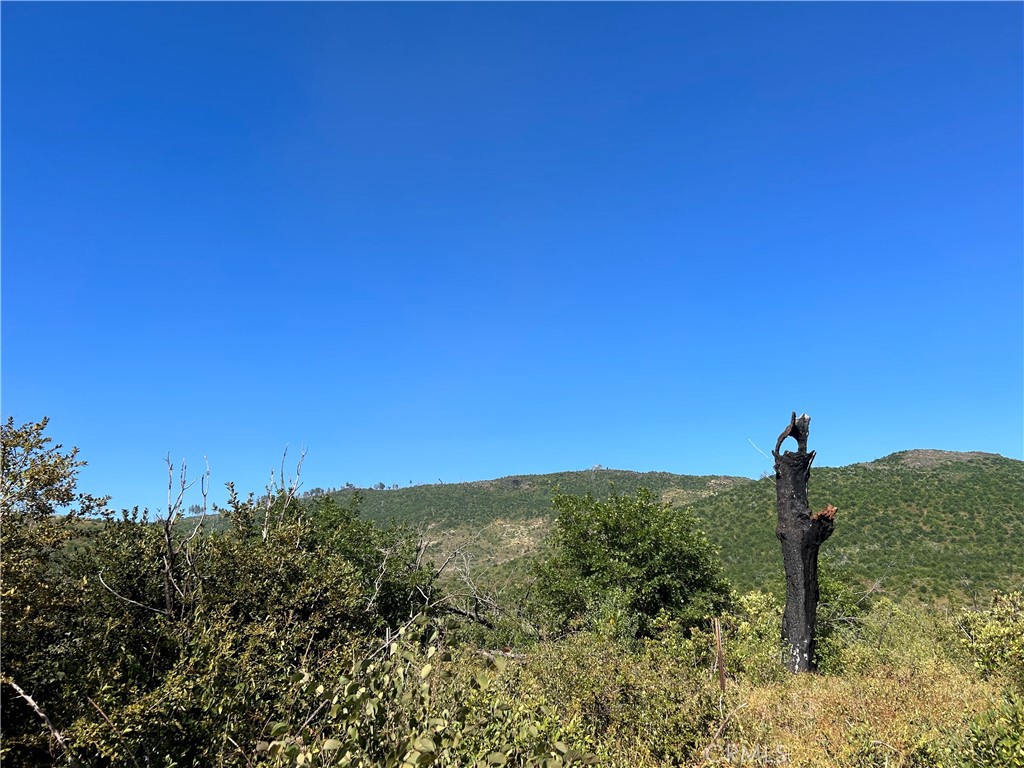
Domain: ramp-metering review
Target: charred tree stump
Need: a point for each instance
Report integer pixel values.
(801, 533)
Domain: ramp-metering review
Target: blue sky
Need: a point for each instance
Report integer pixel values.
(460, 241)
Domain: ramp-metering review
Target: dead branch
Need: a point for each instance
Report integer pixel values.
(381, 571)
(204, 487)
(128, 599)
(286, 490)
(57, 735)
(110, 722)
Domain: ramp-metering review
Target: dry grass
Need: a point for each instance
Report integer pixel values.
(882, 717)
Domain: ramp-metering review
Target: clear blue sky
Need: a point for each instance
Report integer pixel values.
(462, 241)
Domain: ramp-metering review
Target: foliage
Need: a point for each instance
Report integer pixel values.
(622, 561)
(994, 739)
(650, 703)
(158, 643)
(40, 508)
(934, 524)
(750, 633)
(391, 711)
(995, 637)
(37, 480)
(301, 633)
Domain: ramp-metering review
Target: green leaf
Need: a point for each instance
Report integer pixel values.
(426, 670)
(278, 729)
(496, 758)
(331, 745)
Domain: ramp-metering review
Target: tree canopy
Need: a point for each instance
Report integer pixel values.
(626, 560)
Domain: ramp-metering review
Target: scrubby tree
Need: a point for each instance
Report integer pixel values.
(132, 640)
(40, 511)
(626, 559)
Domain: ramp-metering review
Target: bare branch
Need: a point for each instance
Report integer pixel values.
(174, 506)
(725, 721)
(447, 562)
(57, 735)
(380, 578)
(204, 487)
(128, 599)
(294, 484)
(110, 722)
(287, 490)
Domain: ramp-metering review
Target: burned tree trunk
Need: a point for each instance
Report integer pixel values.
(801, 534)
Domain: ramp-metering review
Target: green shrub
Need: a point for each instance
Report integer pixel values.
(995, 739)
(625, 560)
(995, 637)
(408, 706)
(646, 705)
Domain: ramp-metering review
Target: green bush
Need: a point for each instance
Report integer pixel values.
(996, 738)
(407, 705)
(644, 705)
(623, 561)
(995, 637)
(145, 643)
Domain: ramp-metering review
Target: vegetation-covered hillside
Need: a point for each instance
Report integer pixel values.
(932, 523)
(929, 522)
(293, 634)
(521, 497)
(500, 524)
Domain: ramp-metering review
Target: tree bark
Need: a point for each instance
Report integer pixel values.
(801, 533)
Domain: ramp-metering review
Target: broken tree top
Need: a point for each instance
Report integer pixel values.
(798, 429)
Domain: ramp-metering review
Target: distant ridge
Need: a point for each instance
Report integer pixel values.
(923, 457)
(926, 522)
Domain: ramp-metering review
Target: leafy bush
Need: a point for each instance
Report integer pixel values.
(995, 637)
(996, 738)
(625, 560)
(144, 642)
(405, 706)
(646, 704)
(41, 512)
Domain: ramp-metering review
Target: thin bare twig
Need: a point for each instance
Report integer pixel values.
(725, 721)
(287, 490)
(110, 723)
(57, 735)
(204, 488)
(381, 571)
(242, 752)
(128, 599)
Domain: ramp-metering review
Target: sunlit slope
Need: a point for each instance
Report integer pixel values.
(933, 523)
(930, 522)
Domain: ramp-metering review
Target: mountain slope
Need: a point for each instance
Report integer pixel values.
(934, 522)
(503, 520)
(931, 522)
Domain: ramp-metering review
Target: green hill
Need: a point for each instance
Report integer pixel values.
(501, 523)
(933, 523)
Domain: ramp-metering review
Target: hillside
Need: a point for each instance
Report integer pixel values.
(500, 524)
(931, 522)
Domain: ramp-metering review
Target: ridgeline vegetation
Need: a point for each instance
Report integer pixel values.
(550, 621)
